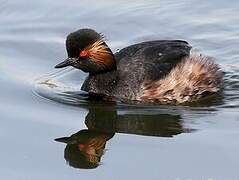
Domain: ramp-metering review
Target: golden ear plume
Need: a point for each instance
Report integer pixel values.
(100, 53)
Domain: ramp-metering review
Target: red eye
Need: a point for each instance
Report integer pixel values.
(81, 146)
(84, 53)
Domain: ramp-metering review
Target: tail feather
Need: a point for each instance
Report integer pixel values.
(195, 76)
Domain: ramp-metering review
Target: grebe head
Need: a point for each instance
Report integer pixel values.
(87, 51)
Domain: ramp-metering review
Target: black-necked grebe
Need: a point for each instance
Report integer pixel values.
(164, 71)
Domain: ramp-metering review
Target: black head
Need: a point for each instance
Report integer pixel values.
(87, 51)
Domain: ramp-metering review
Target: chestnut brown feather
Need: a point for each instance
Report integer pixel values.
(187, 82)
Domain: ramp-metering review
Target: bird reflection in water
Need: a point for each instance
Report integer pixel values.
(85, 148)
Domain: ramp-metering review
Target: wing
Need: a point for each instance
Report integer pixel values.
(147, 61)
(153, 59)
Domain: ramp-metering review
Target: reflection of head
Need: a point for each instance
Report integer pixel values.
(85, 148)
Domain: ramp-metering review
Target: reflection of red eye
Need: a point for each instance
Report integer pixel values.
(84, 53)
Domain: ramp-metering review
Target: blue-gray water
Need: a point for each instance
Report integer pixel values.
(143, 142)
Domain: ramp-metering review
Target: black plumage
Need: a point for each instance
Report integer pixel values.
(164, 70)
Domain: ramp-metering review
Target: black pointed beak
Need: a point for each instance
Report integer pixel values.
(67, 62)
(63, 140)
(67, 140)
